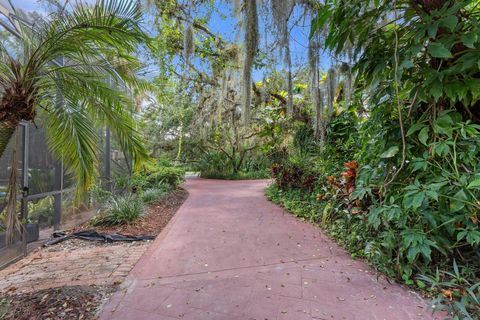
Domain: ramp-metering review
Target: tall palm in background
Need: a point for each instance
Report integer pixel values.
(77, 97)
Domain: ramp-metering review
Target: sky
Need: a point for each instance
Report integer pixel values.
(222, 22)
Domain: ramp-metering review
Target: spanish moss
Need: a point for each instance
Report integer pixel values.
(188, 43)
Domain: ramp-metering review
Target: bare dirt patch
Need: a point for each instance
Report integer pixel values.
(72, 302)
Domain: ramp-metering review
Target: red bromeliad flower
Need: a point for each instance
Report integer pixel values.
(351, 171)
(352, 165)
(350, 174)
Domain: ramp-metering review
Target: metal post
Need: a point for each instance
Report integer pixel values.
(57, 205)
(58, 175)
(24, 201)
(25, 155)
(108, 156)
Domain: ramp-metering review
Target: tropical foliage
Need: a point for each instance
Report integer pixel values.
(119, 210)
(410, 205)
(65, 70)
(150, 184)
(374, 134)
(66, 73)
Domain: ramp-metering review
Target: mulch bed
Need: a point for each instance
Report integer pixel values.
(155, 218)
(75, 302)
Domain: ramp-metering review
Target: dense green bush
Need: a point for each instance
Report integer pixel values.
(217, 165)
(414, 228)
(433, 205)
(119, 210)
(213, 165)
(411, 205)
(422, 224)
(154, 181)
(154, 176)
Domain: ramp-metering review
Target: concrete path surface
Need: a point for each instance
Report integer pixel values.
(231, 254)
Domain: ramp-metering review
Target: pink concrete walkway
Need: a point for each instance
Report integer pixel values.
(231, 254)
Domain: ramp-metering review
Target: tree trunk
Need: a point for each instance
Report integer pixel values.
(6, 133)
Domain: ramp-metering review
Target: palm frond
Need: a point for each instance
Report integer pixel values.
(72, 136)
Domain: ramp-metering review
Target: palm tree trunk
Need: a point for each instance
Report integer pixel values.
(6, 133)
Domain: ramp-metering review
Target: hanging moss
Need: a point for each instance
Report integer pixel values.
(237, 8)
(188, 42)
(281, 10)
(348, 75)
(348, 86)
(314, 64)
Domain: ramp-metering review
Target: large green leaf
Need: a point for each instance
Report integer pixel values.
(450, 22)
(423, 135)
(392, 151)
(474, 184)
(469, 39)
(414, 200)
(457, 202)
(438, 50)
(414, 128)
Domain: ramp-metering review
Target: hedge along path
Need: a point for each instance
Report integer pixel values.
(230, 254)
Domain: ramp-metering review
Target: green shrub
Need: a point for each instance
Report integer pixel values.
(152, 176)
(151, 195)
(41, 211)
(216, 165)
(119, 210)
(170, 175)
(242, 175)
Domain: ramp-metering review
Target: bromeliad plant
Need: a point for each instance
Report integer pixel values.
(74, 98)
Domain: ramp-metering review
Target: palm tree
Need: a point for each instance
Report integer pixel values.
(74, 98)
